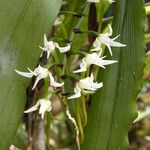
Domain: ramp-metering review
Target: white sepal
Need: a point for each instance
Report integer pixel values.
(93, 1)
(63, 49)
(110, 1)
(88, 84)
(24, 74)
(45, 105)
(83, 67)
(49, 46)
(105, 39)
(35, 107)
(93, 59)
(85, 84)
(77, 92)
(53, 83)
(58, 21)
(40, 73)
(102, 63)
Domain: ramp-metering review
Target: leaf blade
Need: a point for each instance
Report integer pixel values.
(113, 108)
(22, 27)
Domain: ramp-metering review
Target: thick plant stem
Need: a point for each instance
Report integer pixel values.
(39, 136)
(73, 121)
(48, 129)
(78, 118)
(77, 26)
(80, 110)
(83, 111)
(79, 21)
(47, 94)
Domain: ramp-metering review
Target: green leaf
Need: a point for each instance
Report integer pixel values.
(113, 107)
(22, 25)
(21, 139)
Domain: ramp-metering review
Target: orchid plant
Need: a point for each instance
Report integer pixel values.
(85, 83)
(75, 63)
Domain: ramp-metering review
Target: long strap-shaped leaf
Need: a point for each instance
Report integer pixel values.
(22, 26)
(113, 107)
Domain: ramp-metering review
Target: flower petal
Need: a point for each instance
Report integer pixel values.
(77, 94)
(53, 83)
(111, 1)
(80, 70)
(85, 83)
(96, 45)
(105, 39)
(90, 88)
(96, 49)
(25, 74)
(108, 62)
(115, 37)
(91, 58)
(48, 54)
(57, 22)
(63, 49)
(45, 40)
(109, 48)
(34, 73)
(88, 84)
(102, 63)
(97, 85)
(116, 44)
(45, 105)
(39, 77)
(93, 1)
(83, 67)
(56, 84)
(108, 41)
(33, 108)
(41, 54)
(43, 48)
(92, 77)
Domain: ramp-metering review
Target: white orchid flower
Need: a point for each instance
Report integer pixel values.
(83, 66)
(105, 39)
(11, 147)
(49, 46)
(40, 73)
(97, 1)
(45, 105)
(58, 21)
(93, 1)
(94, 59)
(110, 1)
(85, 84)
(77, 92)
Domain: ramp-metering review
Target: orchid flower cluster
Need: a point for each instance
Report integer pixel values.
(95, 59)
(86, 84)
(42, 73)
